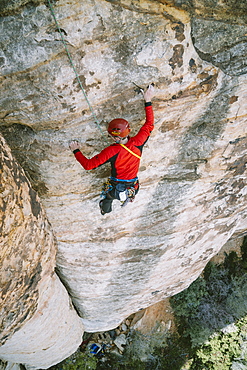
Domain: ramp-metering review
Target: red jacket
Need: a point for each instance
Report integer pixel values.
(124, 165)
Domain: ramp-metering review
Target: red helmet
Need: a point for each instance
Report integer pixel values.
(119, 127)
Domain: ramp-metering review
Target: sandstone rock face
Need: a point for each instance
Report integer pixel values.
(24, 233)
(8, 7)
(228, 10)
(218, 31)
(192, 198)
(227, 51)
(52, 334)
(35, 307)
(9, 366)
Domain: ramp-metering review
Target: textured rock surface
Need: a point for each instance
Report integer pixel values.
(219, 31)
(12, 6)
(9, 366)
(227, 10)
(193, 170)
(34, 305)
(52, 334)
(27, 246)
(229, 49)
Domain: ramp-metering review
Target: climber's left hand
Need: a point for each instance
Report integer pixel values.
(74, 145)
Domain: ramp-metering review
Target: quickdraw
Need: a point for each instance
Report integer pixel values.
(130, 196)
(106, 187)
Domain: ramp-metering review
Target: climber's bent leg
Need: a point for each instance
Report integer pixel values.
(106, 204)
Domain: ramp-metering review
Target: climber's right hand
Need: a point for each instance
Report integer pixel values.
(149, 93)
(74, 145)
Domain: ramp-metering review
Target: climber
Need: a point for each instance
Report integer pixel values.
(124, 156)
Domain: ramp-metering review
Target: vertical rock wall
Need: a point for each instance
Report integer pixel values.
(39, 325)
(193, 170)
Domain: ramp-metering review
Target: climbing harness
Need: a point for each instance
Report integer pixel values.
(125, 147)
(120, 180)
(128, 193)
(126, 189)
(75, 71)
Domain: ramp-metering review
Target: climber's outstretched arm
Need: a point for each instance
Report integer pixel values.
(148, 126)
(90, 163)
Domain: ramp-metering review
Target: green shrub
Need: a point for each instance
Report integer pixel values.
(187, 302)
(219, 352)
(78, 361)
(212, 302)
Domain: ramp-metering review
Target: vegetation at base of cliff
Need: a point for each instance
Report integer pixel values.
(211, 321)
(78, 361)
(211, 315)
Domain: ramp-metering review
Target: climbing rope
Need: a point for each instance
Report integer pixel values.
(75, 71)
